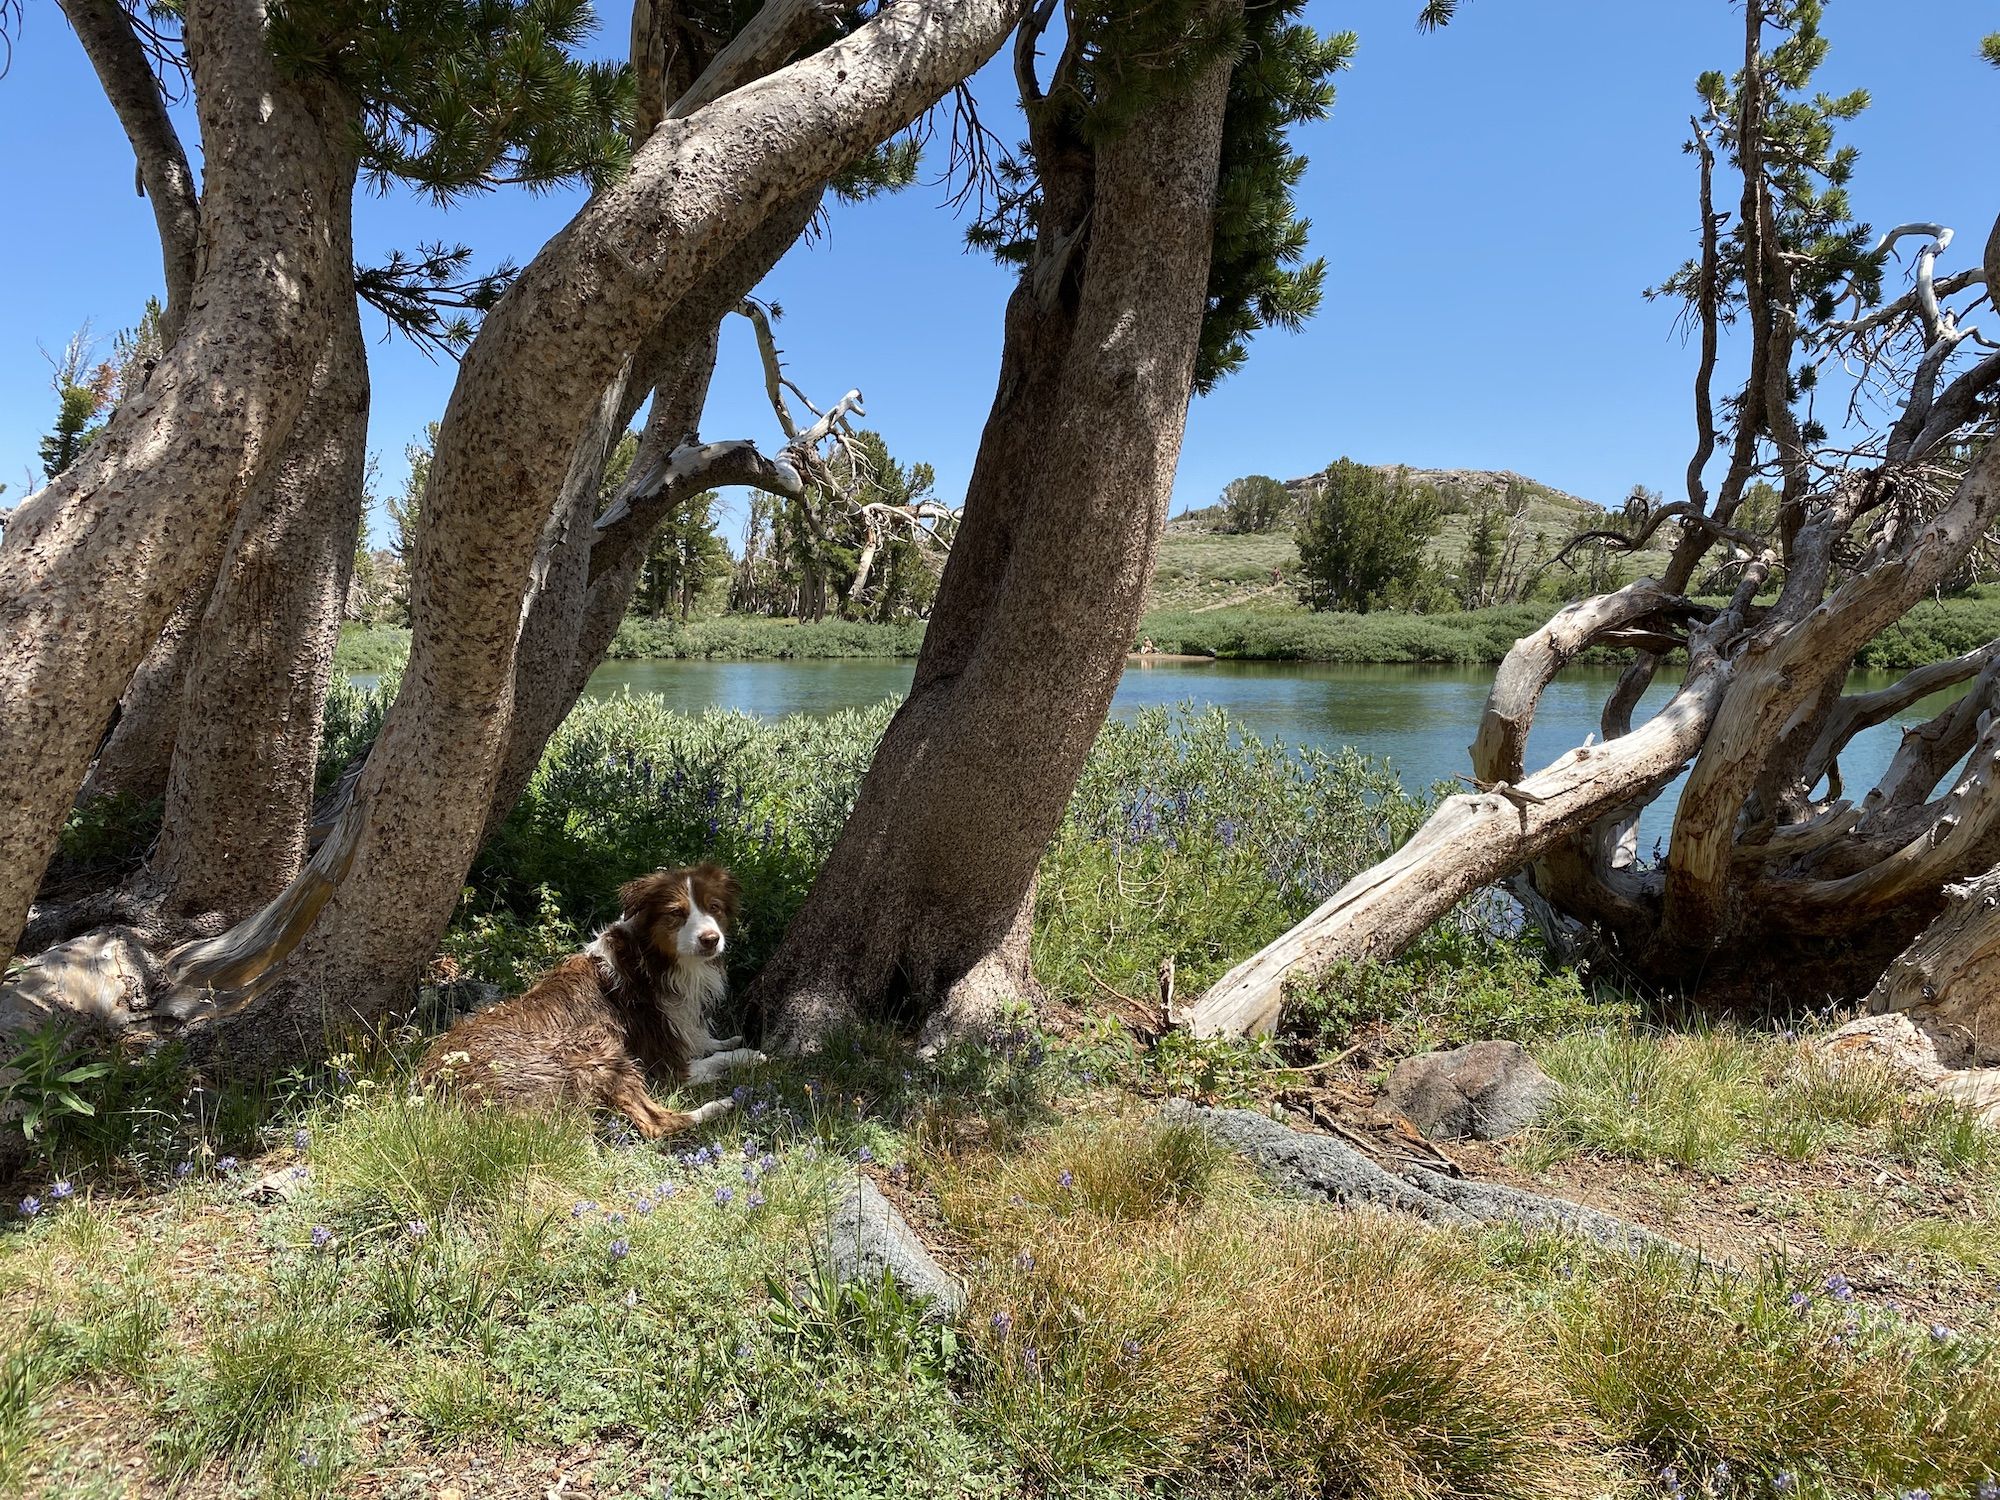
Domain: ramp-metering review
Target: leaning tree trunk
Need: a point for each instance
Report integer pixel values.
(923, 907)
(541, 363)
(91, 567)
(560, 646)
(241, 789)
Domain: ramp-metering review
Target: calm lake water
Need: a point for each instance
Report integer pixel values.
(1419, 719)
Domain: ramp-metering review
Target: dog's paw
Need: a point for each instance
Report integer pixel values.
(715, 1109)
(727, 1044)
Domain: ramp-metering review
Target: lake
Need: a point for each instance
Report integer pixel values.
(1419, 719)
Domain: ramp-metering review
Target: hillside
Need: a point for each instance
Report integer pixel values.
(1202, 567)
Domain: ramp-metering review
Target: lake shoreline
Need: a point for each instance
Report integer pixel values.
(1933, 631)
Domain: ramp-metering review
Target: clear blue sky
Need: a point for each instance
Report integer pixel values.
(1490, 200)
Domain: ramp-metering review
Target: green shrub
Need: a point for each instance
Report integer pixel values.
(759, 637)
(371, 648)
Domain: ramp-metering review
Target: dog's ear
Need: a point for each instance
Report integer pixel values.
(640, 899)
(719, 892)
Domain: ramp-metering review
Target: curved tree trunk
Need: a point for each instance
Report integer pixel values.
(526, 388)
(241, 788)
(91, 568)
(559, 646)
(923, 909)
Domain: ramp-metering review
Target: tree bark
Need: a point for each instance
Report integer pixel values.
(91, 567)
(139, 751)
(541, 362)
(923, 909)
(241, 788)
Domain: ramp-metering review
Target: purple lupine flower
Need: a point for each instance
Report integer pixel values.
(1799, 1301)
(61, 1189)
(1030, 1360)
(1064, 1179)
(754, 1201)
(226, 1165)
(745, 1353)
(1025, 1261)
(1002, 1323)
(416, 1229)
(619, 1249)
(669, 1189)
(642, 1206)
(1784, 1481)
(1722, 1473)
(864, 1156)
(302, 1140)
(767, 1162)
(1837, 1287)
(749, 1171)
(1226, 831)
(724, 1196)
(183, 1170)
(30, 1206)
(1129, 1350)
(581, 1207)
(1940, 1334)
(322, 1237)
(1989, 1489)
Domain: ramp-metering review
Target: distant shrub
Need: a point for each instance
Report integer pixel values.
(371, 648)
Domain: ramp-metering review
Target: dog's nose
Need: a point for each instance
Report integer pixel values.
(710, 940)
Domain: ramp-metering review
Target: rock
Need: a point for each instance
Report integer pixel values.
(1921, 1053)
(1489, 1090)
(869, 1236)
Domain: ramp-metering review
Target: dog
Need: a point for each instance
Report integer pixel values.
(633, 1005)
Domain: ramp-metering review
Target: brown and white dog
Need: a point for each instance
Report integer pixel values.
(632, 1005)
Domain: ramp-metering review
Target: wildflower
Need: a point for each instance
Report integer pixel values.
(1940, 1334)
(740, 1094)
(1064, 1179)
(620, 1249)
(1989, 1490)
(631, 1296)
(1002, 1323)
(1670, 1480)
(755, 1200)
(1722, 1472)
(1129, 1350)
(61, 1189)
(864, 1156)
(724, 1196)
(300, 1172)
(1025, 1260)
(1784, 1481)
(766, 1162)
(322, 1237)
(750, 1171)
(642, 1206)
(669, 1189)
(1031, 1361)
(302, 1140)
(30, 1206)
(1087, 1076)
(1226, 831)
(759, 1108)
(226, 1165)
(900, 1173)
(1837, 1287)
(1799, 1301)
(183, 1170)
(1916, 1495)
(745, 1353)
(581, 1207)
(305, 1458)
(416, 1229)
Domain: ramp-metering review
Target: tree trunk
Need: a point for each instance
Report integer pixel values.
(558, 652)
(525, 391)
(241, 788)
(91, 567)
(140, 749)
(923, 910)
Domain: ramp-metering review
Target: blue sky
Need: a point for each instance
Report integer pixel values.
(1490, 200)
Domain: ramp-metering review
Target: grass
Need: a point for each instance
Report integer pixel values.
(759, 637)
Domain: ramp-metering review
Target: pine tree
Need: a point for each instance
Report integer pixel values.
(1364, 536)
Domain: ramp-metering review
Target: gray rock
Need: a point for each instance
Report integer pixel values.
(1489, 1090)
(869, 1236)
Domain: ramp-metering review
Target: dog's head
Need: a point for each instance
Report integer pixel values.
(685, 914)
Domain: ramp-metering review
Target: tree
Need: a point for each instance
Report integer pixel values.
(629, 292)
(1254, 503)
(1150, 212)
(685, 560)
(1364, 536)
(1774, 877)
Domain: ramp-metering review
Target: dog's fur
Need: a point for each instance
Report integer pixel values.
(632, 1005)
